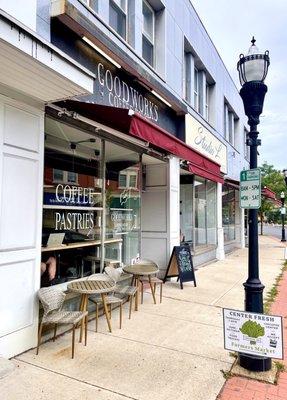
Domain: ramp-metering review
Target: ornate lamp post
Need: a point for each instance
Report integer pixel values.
(282, 196)
(252, 70)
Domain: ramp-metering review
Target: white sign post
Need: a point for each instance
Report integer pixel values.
(250, 188)
(252, 333)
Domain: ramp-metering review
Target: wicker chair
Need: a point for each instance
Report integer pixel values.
(52, 300)
(110, 299)
(129, 291)
(154, 280)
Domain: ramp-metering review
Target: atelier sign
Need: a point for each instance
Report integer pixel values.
(253, 333)
(250, 188)
(200, 139)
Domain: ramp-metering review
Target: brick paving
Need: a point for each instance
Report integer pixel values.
(249, 389)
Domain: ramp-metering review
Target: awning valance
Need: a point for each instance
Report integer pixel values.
(135, 125)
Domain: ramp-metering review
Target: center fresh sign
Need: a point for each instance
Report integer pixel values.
(250, 188)
(253, 333)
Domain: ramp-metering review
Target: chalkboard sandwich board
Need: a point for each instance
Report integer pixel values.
(180, 265)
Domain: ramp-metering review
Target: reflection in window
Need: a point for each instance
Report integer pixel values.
(228, 213)
(123, 202)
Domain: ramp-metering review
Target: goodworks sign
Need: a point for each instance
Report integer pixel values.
(122, 95)
(199, 138)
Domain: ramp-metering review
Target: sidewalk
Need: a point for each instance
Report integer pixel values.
(167, 351)
(246, 389)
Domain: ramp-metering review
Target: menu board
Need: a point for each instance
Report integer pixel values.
(180, 265)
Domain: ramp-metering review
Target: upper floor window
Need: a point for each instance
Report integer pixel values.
(186, 77)
(231, 123)
(61, 176)
(207, 101)
(118, 17)
(148, 33)
(93, 4)
(196, 87)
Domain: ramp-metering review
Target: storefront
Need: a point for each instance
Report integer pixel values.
(200, 189)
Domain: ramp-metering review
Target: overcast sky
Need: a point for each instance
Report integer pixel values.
(231, 24)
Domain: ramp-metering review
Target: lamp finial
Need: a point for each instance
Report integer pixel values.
(253, 41)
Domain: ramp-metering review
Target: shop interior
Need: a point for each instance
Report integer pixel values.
(91, 203)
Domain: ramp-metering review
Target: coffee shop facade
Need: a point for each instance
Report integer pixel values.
(100, 164)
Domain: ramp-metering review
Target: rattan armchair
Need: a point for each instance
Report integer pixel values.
(52, 300)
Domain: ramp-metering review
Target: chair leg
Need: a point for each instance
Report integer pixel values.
(97, 316)
(160, 292)
(131, 304)
(73, 341)
(39, 337)
(110, 309)
(86, 329)
(121, 315)
(55, 332)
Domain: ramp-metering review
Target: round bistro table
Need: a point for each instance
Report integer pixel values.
(92, 287)
(138, 270)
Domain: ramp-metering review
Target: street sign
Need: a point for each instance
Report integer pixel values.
(283, 210)
(253, 333)
(250, 188)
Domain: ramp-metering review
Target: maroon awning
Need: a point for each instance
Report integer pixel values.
(135, 125)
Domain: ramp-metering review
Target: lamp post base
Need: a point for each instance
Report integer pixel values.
(254, 363)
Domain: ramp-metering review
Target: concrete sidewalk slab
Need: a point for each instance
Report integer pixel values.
(167, 351)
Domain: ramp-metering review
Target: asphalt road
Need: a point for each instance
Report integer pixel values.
(272, 230)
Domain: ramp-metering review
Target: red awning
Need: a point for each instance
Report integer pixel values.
(135, 125)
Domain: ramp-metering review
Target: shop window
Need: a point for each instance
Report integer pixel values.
(198, 211)
(118, 17)
(228, 213)
(148, 33)
(123, 208)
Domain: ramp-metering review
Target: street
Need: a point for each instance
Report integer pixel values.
(271, 230)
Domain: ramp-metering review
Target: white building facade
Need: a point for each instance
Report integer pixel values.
(119, 124)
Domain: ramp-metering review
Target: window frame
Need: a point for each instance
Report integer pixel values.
(65, 177)
(207, 100)
(128, 175)
(112, 3)
(146, 36)
(88, 4)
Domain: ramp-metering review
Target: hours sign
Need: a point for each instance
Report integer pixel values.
(250, 188)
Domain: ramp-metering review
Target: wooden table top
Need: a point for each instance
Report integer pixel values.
(141, 269)
(90, 286)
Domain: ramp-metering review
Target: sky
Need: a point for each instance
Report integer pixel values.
(231, 25)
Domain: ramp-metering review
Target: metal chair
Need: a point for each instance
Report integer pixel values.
(110, 299)
(129, 291)
(52, 300)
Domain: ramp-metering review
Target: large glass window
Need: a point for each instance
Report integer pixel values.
(89, 220)
(123, 203)
(148, 33)
(118, 17)
(198, 211)
(228, 212)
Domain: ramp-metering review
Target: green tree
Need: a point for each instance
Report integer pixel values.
(273, 180)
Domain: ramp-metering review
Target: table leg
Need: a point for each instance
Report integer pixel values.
(152, 289)
(106, 311)
(137, 281)
(84, 304)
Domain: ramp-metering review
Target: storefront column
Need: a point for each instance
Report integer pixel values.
(220, 254)
(174, 194)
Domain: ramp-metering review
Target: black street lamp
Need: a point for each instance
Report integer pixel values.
(282, 196)
(252, 70)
